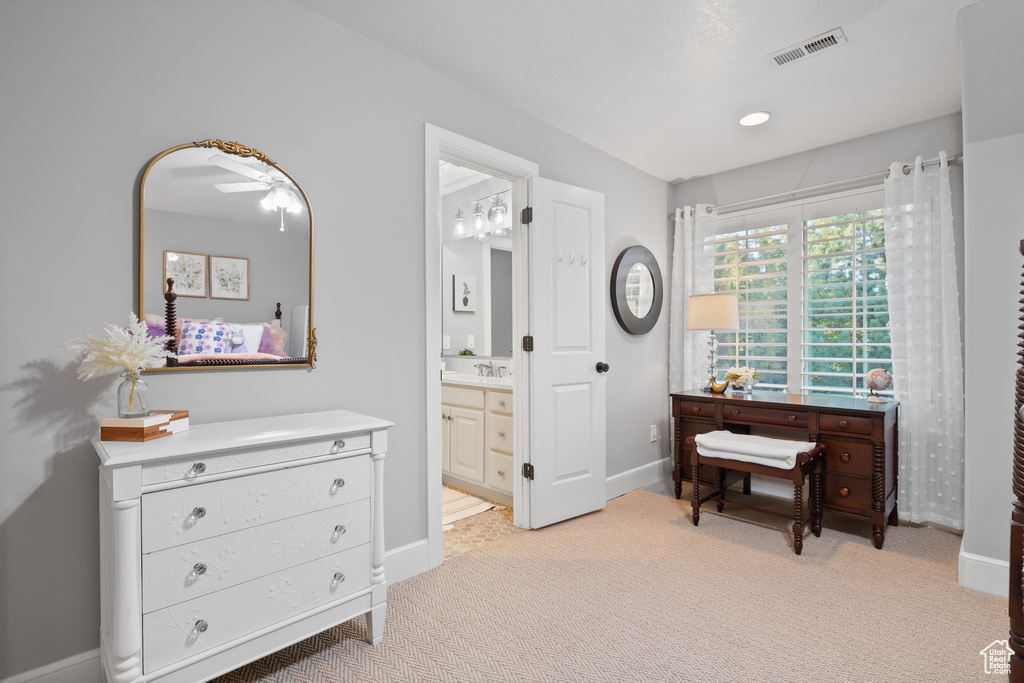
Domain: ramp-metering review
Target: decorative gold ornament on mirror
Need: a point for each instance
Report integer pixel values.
(312, 348)
(236, 148)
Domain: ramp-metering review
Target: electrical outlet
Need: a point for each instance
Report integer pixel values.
(654, 433)
(470, 341)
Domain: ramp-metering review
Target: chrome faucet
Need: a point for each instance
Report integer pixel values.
(489, 366)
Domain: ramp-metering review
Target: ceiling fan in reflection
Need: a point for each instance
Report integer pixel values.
(280, 195)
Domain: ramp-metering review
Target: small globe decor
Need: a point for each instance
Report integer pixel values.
(877, 380)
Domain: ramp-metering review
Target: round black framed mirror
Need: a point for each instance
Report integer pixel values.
(637, 290)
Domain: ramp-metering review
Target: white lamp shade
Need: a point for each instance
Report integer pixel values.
(713, 312)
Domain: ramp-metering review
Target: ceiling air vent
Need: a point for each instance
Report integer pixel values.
(816, 45)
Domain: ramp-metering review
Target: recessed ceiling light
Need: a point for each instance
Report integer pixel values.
(755, 119)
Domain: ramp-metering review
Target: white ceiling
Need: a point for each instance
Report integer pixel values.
(661, 84)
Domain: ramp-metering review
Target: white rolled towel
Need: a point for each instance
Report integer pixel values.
(762, 450)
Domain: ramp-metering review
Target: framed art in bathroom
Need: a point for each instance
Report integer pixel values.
(463, 293)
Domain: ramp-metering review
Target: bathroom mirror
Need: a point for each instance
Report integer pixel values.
(476, 269)
(234, 231)
(636, 290)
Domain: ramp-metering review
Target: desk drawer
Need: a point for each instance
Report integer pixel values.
(704, 409)
(845, 424)
(849, 494)
(197, 468)
(849, 458)
(170, 518)
(178, 574)
(766, 416)
(169, 634)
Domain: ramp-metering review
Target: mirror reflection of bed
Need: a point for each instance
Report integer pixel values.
(234, 232)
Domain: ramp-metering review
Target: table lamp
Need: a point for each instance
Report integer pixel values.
(713, 312)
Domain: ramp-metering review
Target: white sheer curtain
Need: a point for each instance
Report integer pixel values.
(693, 260)
(924, 317)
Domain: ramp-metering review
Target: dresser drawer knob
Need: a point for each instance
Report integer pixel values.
(339, 444)
(844, 457)
(197, 514)
(501, 473)
(339, 531)
(197, 469)
(844, 492)
(843, 424)
(696, 409)
(792, 418)
(501, 435)
(735, 412)
(689, 440)
(200, 627)
(338, 579)
(199, 569)
(336, 486)
(501, 403)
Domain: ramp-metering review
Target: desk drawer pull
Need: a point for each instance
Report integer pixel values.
(199, 569)
(197, 469)
(792, 418)
(843, 424)
(696, 409)
(339, 444)
(735, 412)
(336, 486)
(844, 492)
(200, 627)
(689, 440)
(844, 457)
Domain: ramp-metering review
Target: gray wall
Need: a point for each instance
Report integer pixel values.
(278, 266)
(992, 61)
(89, 93)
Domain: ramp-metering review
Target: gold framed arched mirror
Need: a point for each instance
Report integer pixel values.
(226, 258)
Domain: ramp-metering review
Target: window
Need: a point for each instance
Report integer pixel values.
(810, 278)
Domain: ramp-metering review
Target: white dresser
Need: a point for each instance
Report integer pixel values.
(227, 542)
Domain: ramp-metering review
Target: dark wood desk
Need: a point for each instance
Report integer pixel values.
(860, 439)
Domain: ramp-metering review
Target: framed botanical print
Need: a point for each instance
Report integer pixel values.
(188, 271)
(229, 278)
(463, 293)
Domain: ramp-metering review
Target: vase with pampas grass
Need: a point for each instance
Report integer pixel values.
(126, 350)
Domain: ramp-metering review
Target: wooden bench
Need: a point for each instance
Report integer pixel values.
(807, 462)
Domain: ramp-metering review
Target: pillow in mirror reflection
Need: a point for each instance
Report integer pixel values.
(204, 337)
(251, 335)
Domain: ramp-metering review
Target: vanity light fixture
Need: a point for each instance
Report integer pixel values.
(460, 222)
(478, 217)
(755, 118)
(498, 211)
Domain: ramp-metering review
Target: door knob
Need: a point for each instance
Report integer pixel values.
(602, 367)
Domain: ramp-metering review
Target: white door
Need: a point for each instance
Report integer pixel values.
(467, 444)
(567, 314)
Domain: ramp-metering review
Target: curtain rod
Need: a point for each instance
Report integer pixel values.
(849, 183)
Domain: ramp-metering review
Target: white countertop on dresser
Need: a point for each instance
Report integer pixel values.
(237, 434)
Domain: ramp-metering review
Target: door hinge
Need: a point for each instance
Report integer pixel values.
(528, 343)
(527, 217)
(528, 470)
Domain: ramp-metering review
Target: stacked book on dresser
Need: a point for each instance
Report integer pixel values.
(158, 424)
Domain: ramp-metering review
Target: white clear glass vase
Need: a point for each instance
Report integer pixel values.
(132, 396)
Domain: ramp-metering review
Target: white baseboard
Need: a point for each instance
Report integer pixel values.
(984, 574)
(81, 668)
(638, 477)
(399, 564)
(406, 561)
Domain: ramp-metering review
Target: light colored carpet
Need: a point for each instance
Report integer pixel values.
(637, 593)
(456, 505)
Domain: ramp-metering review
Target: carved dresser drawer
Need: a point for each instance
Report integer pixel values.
(184, 572)
(698, 409)
(277, 537)
(766, 416)
(850, 458)
(846, 424)
(190, 628)
(192, 513)
(200, 468)
(848, 493)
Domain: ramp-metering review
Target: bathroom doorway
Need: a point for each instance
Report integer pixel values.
(477, 371)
